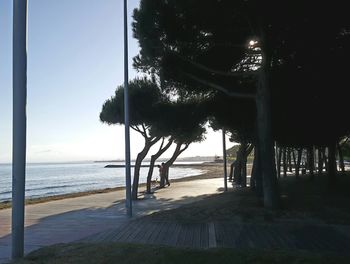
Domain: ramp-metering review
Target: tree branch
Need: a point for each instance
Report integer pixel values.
(162, 150)
(144, 130)
(213, 71)
(161, 145)
(186, 146)
(139, 131)
(154, 140)
(221, 88)
(136, 129)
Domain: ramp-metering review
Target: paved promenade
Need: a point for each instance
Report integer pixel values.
(75, 218)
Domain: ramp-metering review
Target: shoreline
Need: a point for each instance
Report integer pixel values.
(209, 171)
(189, 165)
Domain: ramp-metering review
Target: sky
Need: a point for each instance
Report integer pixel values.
(75, 62)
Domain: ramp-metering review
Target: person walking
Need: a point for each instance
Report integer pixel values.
(160, 172)
(165, 174)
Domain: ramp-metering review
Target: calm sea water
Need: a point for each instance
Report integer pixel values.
(63, 178)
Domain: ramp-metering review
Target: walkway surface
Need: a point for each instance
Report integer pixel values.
(102, 218)
(319, 238)
(72, 219)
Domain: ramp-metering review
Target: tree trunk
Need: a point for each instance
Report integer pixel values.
(297, 166)
(148, 144)
(279, 161)
(257, 173)
(310, 162)
(320, 160)
(294, 158)
(325, 158)
(247, 153)
(332, 165)
(284, 162)
(289, 159)
(341, 158)
(276, 156)
(238, 168)
(266, 152)
(252, 183)
(154, 157)
(231, 170)
(137, 167)
(314, 158)
(165, 172)
(244, 164)
(244, 171)
(150, 173)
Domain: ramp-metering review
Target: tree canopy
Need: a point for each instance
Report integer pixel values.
(199, 46)
(144, 96)
(281, 65)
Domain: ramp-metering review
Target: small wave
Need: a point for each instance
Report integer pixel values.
(59, 187)
(3, 193)
(48, 188)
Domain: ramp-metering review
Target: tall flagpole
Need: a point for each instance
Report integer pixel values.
(19, 76)
(126, 117)
(224, 157)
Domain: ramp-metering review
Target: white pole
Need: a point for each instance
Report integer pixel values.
(126, 117)
(225, 160)
(19, 124)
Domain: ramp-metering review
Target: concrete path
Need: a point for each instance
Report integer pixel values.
(75, 218)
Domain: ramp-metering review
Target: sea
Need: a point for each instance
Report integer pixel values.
(50, 179)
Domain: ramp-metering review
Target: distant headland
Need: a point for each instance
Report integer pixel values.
(183, 159)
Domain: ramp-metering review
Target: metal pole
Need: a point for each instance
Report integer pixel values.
(19, 125)
(224, 156)
(126, 113)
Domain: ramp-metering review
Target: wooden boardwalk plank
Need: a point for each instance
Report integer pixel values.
(303, 239)
(181, 236)
(163, 226)
(135, 232)
(212, 235)
(288, 241)
(271, 236)
(118, 235)
(166, 235)
(149, 230)
(229, 234)
(172, 240)
(204, 236)
(226, 234)
(128, 232)
(330, 239)
(153, 237)
(219, 234)
(189, 235)
(260, 240)
(196, 242)
(139, 237)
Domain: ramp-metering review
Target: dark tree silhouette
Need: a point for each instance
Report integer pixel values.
(144, 96)
(293, 69)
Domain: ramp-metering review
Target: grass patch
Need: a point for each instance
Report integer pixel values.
(147, 254)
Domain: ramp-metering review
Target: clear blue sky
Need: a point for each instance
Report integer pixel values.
(75, 62)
